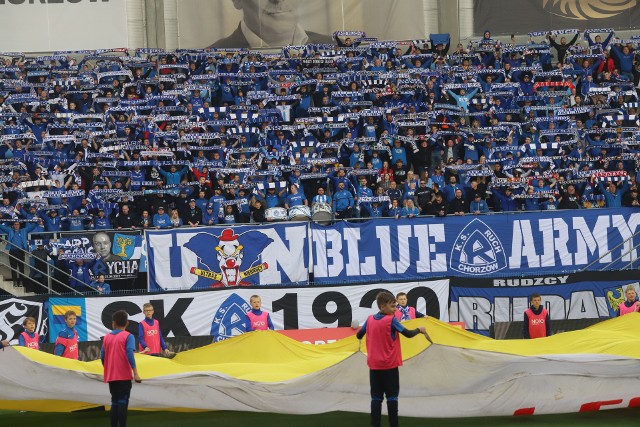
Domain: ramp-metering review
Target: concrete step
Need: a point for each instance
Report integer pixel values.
(18, 291)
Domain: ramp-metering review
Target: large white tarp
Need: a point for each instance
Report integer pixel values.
(462, 375)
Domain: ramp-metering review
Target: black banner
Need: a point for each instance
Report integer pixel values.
(542, 280)
(524, 16)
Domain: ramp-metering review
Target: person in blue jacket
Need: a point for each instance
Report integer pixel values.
(343, 202)
(100, 286)
(161, 219)
(506, 201)
(18, 243)
(101, 221)
(613, 195)
(80, 274)
(174, 176)
(52, 221)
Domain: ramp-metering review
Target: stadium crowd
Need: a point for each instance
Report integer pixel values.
(110, 139)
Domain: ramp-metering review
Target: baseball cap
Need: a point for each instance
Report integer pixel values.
(192, 200)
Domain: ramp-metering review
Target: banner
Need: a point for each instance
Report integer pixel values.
(63, 26)
(116, 255)
(523, 16)
(217, 23)
(212, 257)
(501, 245)
(221, 313)
(13, 312)
(479, 308)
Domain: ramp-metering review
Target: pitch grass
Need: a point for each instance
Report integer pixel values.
(99, 418)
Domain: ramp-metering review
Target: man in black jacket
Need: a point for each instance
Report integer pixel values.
(569, 198)
(125, 219)
(458, 205)
(438, 207)
(193, 214)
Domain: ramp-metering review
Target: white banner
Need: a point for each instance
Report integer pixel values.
(222, 313)
(28, 26)
(214, 257)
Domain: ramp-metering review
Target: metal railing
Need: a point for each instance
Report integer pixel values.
(46, 274)
(622, 255)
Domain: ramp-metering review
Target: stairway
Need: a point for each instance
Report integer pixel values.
(6, 286)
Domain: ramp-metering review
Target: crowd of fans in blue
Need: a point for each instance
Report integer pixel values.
(113, 139)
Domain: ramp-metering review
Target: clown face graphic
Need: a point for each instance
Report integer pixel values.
(229, 254)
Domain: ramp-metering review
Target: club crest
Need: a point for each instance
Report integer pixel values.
(229, 320)
(477, 250)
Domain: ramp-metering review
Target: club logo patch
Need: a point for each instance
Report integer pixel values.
(229, 320)
(477, 250)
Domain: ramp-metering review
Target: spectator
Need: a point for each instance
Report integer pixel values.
(230, 215)
(178, 146)
(563, 46)
(409, 211)
(343, 202)
(100, 286)
(193, 216)
(40, 268)
(613, 194)
(505, 201)
(478, 205)
(394, 210)
(174, 219)
(18, 243)
(458, 206)
(145, 220)
(295, 198)
(101, 221)
(161, 219)
(438, 207)
(569, 198)
(258, 212)
(209, 216)
(125, 219)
